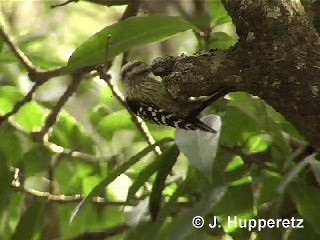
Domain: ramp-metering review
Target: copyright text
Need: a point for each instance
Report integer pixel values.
(250, 224)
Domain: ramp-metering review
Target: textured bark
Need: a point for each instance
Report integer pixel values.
(276, 58)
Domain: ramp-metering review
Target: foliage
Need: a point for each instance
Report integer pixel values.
(96, 175)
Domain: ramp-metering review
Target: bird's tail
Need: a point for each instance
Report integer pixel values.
(197, 124)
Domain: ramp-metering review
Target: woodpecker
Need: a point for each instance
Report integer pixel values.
(147, 98)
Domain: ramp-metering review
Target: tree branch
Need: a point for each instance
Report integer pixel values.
(19, 54)
(47, 196)
(140, 124)
(21, 103)
(277, 60)
(63, 3)
(52, 117)
(35, 74)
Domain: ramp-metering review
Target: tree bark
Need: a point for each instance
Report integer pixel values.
(276, 58)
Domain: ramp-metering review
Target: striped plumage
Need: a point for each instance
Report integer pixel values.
(148, 99)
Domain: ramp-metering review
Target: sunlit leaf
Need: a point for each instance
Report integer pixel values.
(124, 35)
(218, 13)
(31, 117)
(8, 97)
(200, 147)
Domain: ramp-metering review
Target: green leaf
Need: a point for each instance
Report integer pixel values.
(269, 182)
(36, 160)
(294, 172)
(159, 132)
(315, 168)
(8, 97)
(1, 44)
(11, 148)
(114, 174)
(5, 186)
(269, 233)
(31, 116)
(307, 200)
(126, 34)
(237, 201)
(303, 233)
(181, 226)
(200, 147)
(167, 161)
(143, 176)
(98, 113)
(29, 222)
(221, 40)
(148, 230)
(218, 13)
(68, 132)
(111, 123)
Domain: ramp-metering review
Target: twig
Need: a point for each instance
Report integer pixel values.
(131, 10)
(52, 117)
(35, 74)
(19, 54)
(87, 158)
(63, 3)
(142, 127)
(100, 2)
(20, 104)
(47, 196)
(68, 198)
(55, 160)
(43, 76)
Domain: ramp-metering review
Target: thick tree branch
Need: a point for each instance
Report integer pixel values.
(276, 58)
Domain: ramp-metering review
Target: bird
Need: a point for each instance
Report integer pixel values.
(147, 98)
